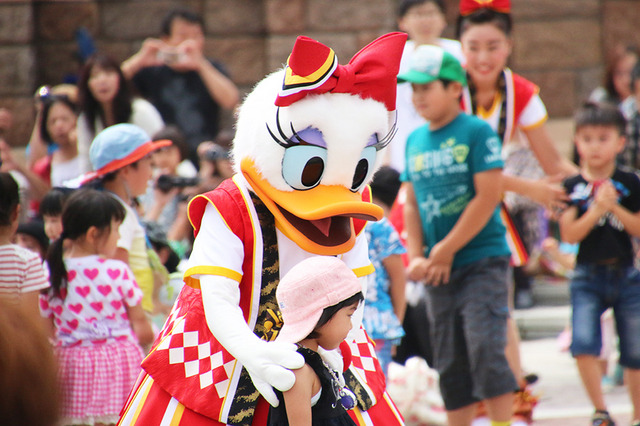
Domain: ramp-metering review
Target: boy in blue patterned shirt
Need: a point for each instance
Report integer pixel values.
(456, 240)
(385, 301)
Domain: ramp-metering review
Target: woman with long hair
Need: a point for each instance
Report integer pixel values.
(106, 99)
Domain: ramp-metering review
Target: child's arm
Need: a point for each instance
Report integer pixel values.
(415, 245)
(395, 268)
(573, 229)
(297, 400)
(630, 220)
(488, 186)
(140, 324)
(546, 192)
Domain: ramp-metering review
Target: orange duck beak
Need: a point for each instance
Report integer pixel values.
(319, 220)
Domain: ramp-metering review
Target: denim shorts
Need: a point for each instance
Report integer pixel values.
(468, 322)
(594, 288)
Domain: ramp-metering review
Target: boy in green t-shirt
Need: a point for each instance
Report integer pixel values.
(456, 239)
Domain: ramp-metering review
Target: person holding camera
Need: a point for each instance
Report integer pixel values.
(215, 161)
(173, 74)
(176, 181)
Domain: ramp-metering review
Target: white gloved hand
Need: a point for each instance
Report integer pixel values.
(269, 364)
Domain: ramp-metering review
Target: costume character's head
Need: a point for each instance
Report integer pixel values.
(309, 137)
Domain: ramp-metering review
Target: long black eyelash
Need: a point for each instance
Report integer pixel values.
(294, 139)
(386, 140)
(286, 141)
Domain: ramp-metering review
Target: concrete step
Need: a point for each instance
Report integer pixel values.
(551, 312)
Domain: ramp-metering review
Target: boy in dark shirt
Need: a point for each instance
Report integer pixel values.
(603, 215)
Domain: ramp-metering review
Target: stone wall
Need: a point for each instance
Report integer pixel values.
(558, 44)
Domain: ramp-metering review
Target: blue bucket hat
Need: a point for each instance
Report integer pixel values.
(118, 146)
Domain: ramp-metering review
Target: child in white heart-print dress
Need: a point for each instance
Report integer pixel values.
(95, 312)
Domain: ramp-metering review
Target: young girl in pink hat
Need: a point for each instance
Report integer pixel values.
(317, 299)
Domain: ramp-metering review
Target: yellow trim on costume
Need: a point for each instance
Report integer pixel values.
(213, 270)
(213, 205)
(497, 101)
(392, 407)
(359, 418)
(177, 415)
(290, 79)
(536, 124)
(143, 398)
(363, 271)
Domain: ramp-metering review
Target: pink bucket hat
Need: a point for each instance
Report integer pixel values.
(308, 288)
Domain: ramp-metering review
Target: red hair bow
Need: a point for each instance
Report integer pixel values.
(467, 7)
(312, 68)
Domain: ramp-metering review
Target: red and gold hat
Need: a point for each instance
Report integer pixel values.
(312, 68)
(467, 7)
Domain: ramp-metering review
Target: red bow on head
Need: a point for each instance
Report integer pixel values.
(467, 7)
(312, 68)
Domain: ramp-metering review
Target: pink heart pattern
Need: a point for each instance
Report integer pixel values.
(113, 273)
(91, 273)
(83, 291)
(103, 300)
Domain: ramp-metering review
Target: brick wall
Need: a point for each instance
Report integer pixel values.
(558, 44)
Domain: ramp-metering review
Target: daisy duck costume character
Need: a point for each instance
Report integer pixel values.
(308, 141)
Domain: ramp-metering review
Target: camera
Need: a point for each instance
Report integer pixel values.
(166, 183)
(169, 56)
(215, 153)
(42, 93)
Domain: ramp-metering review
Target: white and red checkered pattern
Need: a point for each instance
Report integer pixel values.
(365, 365)
(363, 355)
(187, 360)
(195, 354)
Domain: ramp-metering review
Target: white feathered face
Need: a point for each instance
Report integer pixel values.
(309, 162)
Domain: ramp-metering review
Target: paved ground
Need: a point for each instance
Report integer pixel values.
(562, 398)
(563, 401)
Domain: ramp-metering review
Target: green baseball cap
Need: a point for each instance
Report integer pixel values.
(429, 63)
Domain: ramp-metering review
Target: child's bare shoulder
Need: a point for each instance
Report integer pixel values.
(305, 373)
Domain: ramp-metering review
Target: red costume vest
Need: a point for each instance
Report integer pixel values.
(190, 364)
